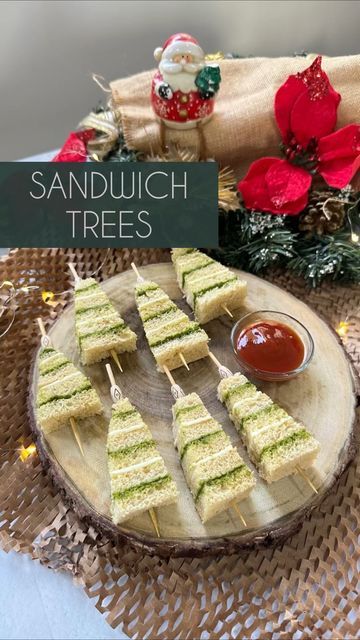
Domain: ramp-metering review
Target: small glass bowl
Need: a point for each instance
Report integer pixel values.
(283, 318)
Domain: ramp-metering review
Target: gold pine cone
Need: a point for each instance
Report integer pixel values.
(324, 214)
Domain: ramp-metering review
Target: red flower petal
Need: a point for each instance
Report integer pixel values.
(276, 186)
(74, 148)
(314, 118)
(253, 187)
(306, 105)
(288, 187)
(339, 156)
(285, 99)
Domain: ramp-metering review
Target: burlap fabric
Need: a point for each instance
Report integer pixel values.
(308, 588)
(243, 127)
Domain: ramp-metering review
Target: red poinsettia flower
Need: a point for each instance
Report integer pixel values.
(74, 147)
(305, 110)
(306, 105)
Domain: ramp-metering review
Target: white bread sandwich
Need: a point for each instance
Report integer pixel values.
(208, 286)
(99, 327)
(168, 330)
(215, 473)
(139, 479)
(276, 443)
(63, 392)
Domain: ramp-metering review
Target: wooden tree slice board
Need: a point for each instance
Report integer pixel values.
(323, 398)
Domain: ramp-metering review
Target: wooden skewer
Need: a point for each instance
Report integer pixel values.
(136, 270)
(41, 326)
(223, 306)
(307, 479)
(169, 376)
(109, 371)
(153, 517)
(184, 361)
(116, 359)
(152, 512)
(214, 359)
(75, 431)
(73, 424)
(238, 512)
(74, 272)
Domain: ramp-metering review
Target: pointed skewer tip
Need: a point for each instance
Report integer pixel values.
(75, 431)
(154, 520)
(227, 310)
(184, 362)
(116, 359)
(238, 512)
(307, 479)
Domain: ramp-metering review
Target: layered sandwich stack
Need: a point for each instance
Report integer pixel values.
(63, 392)
(216, 474)
(276, 443)
(138, 475)
(209, 287)
(168, 330)
(99, 328)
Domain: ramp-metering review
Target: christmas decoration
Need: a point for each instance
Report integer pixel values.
(184, 87)
(228, 198)
(325, 213)
(104, 121)
(305, 111)
(75, 147)
(316, 227)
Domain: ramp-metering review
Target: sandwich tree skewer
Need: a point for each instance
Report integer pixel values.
(116, 394)
(177, 392)
(141, 279)
(224, 372)
(46, 342)
(114, 354)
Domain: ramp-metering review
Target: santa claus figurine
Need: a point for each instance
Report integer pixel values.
(184, 87)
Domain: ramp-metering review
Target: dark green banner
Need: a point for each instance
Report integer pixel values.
(108, 204)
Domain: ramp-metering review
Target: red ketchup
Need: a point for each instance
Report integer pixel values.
(270, 346)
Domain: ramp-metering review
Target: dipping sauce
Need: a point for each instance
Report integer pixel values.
(270, 346)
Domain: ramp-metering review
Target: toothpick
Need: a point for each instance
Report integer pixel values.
(184, 361)
(115, 357)
(110, 374)
(238, 512)
(153, 517)
(223, 306)
(75, 431)
(169, 375)
(214, 359)
(307, 479)
(137, 273)
(41, 326)
(74, 272)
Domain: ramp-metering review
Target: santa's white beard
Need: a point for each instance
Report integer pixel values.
(180, 77)
(182, 81)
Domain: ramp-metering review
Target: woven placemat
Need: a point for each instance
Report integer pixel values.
(308, 588)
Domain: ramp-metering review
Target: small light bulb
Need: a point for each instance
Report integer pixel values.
(342, 328)
(25, 452)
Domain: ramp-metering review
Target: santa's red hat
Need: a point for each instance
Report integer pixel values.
(179, 43)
